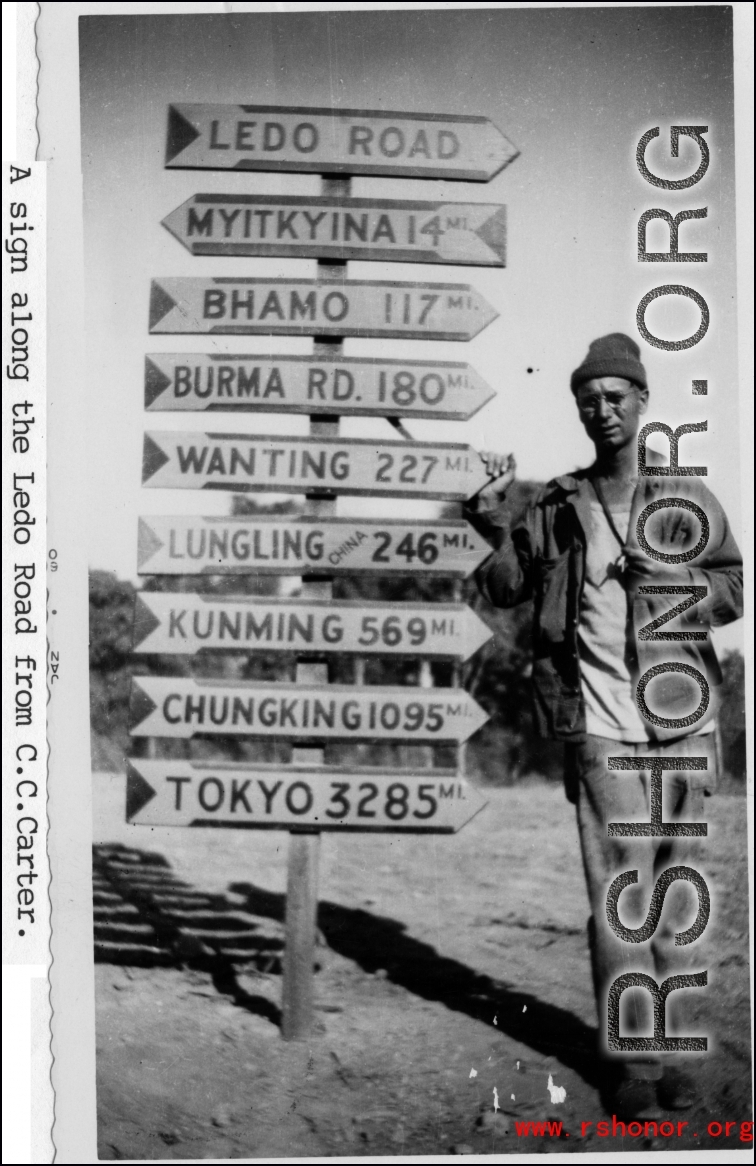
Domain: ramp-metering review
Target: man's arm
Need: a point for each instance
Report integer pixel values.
(505, 579)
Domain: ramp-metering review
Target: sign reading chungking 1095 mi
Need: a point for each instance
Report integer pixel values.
(181, 793)
(182, 707)
(306, 307)
(302, 465)
(198, 381)
(308, 545)
(328, 140)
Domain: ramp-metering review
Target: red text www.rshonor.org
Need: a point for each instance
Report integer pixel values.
(742, 1130)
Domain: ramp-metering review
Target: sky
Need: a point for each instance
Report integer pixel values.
(573, 88)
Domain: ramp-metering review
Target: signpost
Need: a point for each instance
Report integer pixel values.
(355, 386)
(300, 465)
(180, 793)
(303, 307)
(178, 706)
(346, 228)
(340, 141)
(187, 623)
(308, 545)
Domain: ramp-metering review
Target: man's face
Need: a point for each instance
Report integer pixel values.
(610, 409)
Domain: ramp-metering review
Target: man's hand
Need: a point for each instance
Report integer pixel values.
(501, 469)
(647, 572)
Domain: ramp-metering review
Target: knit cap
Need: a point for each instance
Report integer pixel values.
(615, 355)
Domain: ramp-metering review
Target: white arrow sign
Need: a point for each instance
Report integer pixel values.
(306, 307)
(181, 707)
(305, 384)
(346, 228)
(308, 545)
(187, 623)
(307, 465)
(180, 793)
(342, 141)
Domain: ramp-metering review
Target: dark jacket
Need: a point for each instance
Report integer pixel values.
(542, 557)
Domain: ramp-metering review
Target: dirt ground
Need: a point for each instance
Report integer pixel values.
(453, 976)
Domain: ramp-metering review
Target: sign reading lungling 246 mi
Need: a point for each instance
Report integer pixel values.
(180, 793)
(298, 465)
(181, 707)
(306, 307)
(341, 141)
(346, 228)
(200, 381)
(308, 545)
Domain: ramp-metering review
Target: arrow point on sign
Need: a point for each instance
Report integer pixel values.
(477, 717)
(148, 543)
(479, 388)
(145, 621)
(486, 313)
(181, 133)
(494, 233)
(173, 221)
(138, 792)
(153, 458)
(141, 705)
(476, 633)
(155, 382)
(476, 804)
(160, 304)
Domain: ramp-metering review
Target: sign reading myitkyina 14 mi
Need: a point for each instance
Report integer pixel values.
(306, 307)
(308, 545)
(341, 141)
(347, 228)
(180, 793)
(167, 622)
(164, 706)
(302, 465)
(199, 381)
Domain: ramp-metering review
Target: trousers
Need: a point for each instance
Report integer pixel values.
(602, 795)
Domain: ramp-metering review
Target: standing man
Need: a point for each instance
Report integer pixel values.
(576, 554)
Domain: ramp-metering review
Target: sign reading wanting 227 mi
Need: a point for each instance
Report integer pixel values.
(303, 307)
(347, 228)
(333, 465)
(341, 141)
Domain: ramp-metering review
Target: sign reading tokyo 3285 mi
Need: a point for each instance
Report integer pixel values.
(306, 307)
(301, 465)
(341, 141)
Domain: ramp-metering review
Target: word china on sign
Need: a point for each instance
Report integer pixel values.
(181, 707)
(303, 307)
(180, 793)
(301, 465)
(188, 623)
(347, 228)
(308, 545)
(340, 141)
(304, 384)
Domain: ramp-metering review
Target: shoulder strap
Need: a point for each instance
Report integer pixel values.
(607, 512)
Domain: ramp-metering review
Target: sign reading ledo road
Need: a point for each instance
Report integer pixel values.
(301, 465)
(308, 545)
(347, 228)
(180, 707)
(187, 623)
(306, 384)
(303, 307)
(341, 141)
(179, 793)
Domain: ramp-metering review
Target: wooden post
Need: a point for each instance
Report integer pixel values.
(304, 846)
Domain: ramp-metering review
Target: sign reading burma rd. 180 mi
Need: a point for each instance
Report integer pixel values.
(187, 623)
(181, 793)
(341, 141)
(164, 706)
(197, 381)
(306, 307)
(308, 545)
(346, 228)
(300, 465)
